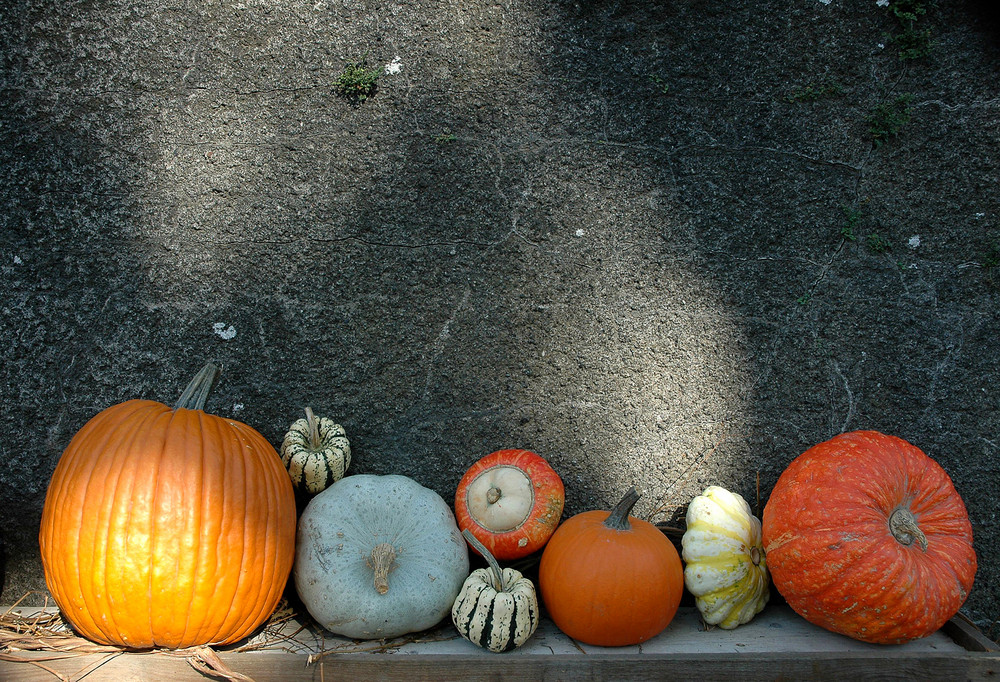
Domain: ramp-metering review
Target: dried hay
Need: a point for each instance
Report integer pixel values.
(44, 633)
(44, 630)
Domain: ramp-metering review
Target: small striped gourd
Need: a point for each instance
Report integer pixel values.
(316, 453)
(497, 609)
(726, 569)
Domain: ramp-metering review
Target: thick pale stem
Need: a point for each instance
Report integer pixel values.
(493, 494)
(381, 563)
(490, 559)
(618, 519)
(903, 526)
(313, 424)
(196, 393)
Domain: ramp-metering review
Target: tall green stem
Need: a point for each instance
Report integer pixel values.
(196, 393)
(490, 559)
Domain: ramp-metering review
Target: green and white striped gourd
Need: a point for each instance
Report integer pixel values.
(497, 609)
(316, 453)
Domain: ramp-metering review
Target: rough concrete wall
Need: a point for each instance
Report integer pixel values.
(623, 235)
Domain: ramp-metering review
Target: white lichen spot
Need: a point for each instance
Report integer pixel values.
(882, 3)
(914, 241)
(237, 408)
(394, 67)
(881, 46)
(825, 2)
(980, 215)
(223, 331)
(580, 232)
(18, 261)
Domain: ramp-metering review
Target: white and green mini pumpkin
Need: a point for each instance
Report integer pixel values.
(316, 453)
(497, 609)
(725, 567)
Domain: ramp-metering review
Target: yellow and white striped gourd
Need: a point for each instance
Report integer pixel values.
(496, 609)
(316, 453)
(725, 567)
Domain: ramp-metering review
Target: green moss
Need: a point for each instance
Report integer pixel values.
(852, 216)
(912, 42)
(888, 118)
(358, 82)
(877, 243)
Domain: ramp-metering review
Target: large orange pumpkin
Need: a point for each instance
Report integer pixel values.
(865, 535)
(610, 579)
(167, 527)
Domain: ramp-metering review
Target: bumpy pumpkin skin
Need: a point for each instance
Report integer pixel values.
(833, 556)
(528, 507)
(610, 587)
(167, 528)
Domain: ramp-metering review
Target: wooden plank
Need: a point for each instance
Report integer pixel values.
(968, 635)
(404, 668)
(778, 643)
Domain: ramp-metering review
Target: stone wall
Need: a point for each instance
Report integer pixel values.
(662, 245)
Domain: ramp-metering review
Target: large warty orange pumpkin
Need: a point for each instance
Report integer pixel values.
(866, 535)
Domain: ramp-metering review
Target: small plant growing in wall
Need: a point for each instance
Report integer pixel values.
(852, 216)
(912, 42)
(357, 82)
(888, 118)
(877, 242)
(660, 84)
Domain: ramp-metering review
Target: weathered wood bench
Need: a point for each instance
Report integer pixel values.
(778, 644)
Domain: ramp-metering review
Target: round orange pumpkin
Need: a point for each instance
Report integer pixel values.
(167, 527)
(609, 579)
(511, 501)
(865, 535)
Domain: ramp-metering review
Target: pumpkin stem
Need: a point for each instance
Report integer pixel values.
(903, 526)
(196, 393)
(381, 562)
(490, 559)
(618, 519)
(313, 423)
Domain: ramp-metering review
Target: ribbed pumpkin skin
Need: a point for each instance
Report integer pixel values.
(167, 528)
(496, 620)
(610, 587)
(831, 552)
